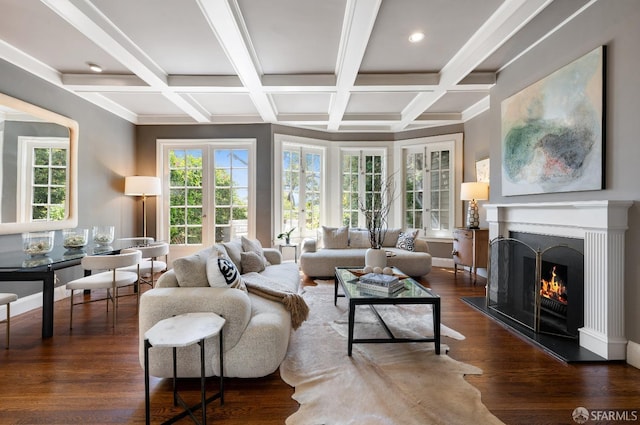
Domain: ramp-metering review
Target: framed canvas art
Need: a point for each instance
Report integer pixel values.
(553, 131)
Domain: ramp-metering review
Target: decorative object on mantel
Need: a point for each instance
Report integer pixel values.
(472, 192)
(37, 243)
(286, 236)
(553, 131)
(376, 208)
(142, 186)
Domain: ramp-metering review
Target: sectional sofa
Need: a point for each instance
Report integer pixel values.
(257, 330)
(346, 247)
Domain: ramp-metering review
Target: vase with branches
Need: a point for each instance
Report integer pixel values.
(376, 207)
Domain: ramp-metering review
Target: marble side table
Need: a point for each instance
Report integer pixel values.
(181, 331)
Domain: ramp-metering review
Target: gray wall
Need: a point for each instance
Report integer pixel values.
(106, 153)
(610, 23)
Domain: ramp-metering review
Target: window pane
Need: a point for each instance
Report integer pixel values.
(41, 156)
(194, 215)
(40, 176)
(194, 235)
(59, 176)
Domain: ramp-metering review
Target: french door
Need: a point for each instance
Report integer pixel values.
(208, 189)
(302, 169)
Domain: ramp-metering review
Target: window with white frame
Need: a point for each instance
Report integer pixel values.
(301, 189)
(363, 173)
(42, 182)
(211, 188)
(432, 172)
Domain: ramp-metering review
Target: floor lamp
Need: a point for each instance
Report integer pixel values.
(142, 186)
(472, 192)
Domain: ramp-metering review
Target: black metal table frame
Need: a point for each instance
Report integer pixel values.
(177, 399)
(47, 275)
(372, 301)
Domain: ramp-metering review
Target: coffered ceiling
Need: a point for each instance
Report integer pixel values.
(334, 65)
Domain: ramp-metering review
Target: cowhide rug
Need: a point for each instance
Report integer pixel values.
(381, 383)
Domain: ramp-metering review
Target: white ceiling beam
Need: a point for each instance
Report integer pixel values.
(476, 109)
(225, 20)
(28, 63)
(500, 27)
(409, 79)
(440, 116)
(360, 16)
(92, 24)
(109, 105)
(280, 81)
(207, 83)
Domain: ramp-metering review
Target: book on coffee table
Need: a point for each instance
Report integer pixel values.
(380, 289)
(380, 283)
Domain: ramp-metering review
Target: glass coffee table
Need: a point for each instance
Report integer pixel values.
(412, 293)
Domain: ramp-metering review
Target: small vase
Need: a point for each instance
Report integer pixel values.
(375, 258)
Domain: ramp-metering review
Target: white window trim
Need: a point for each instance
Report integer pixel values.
(279, 142)
(24, 182)
(436, 142)
(364, 151)
(163, 145)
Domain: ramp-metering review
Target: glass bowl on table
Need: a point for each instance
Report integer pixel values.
(75, 238)
(37, 244)
(103, 235)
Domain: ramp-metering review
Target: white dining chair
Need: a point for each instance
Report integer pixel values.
(111, 279)
(150, 264)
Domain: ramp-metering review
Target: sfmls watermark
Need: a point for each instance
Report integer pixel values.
(582, 415)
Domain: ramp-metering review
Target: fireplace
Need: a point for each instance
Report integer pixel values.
(538, 281)
(600, 226)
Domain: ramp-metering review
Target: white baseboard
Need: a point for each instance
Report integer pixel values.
(633, 354)
(32, 302)
(442, 262)
(448, 263)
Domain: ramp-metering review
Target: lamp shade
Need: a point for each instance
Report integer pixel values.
(478, 191)
(142, 186)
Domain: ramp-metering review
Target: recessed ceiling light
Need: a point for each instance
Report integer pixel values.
(416, 36)
(94, 67)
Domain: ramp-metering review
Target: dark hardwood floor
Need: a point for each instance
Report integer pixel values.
(91, 375)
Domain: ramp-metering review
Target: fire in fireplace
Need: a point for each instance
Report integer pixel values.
(552, 284)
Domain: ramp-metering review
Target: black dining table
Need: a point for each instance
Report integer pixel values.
(21, 267)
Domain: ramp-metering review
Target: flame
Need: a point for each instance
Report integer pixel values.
(554, 288)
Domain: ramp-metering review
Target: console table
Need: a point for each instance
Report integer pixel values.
(16, 266)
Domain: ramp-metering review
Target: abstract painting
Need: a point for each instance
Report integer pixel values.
(552, 131)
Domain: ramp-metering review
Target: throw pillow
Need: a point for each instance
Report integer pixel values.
(234, 248)
(191, 270)
(249, 245)
(391, 238)
(222, 273)
(335, 237)
(406, 240)
(251, 262)
(359, 238)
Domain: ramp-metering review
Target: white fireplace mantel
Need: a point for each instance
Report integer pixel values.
(602, 225)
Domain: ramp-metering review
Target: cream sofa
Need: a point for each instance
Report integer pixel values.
(350, 252)
(256, 332)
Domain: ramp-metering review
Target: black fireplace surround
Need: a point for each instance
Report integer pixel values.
(514, 286)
